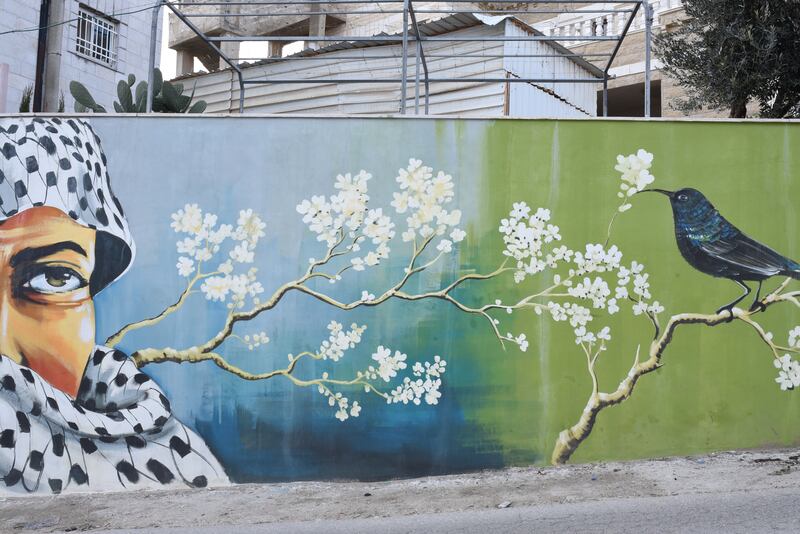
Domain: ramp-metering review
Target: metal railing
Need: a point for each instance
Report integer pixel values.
(412, 35)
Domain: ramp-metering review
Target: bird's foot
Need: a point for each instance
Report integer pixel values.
(758, 307)
(729, 309)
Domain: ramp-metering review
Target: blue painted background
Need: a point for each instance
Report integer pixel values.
(272, 430)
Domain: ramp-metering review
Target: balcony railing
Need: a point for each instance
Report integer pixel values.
(592, 24)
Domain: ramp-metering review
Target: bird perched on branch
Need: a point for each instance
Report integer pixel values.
(712, 245)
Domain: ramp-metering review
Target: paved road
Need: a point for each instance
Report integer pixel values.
(772, 510)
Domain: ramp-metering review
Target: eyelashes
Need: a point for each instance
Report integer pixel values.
(47, 279)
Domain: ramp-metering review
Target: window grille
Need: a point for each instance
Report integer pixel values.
(97, 37)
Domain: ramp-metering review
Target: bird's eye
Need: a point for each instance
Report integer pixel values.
(682, 197)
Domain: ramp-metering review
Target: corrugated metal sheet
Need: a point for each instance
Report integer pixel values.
(546, 99)
(360, 61)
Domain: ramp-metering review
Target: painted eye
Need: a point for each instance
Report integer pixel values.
(53, 280)
(682, 197)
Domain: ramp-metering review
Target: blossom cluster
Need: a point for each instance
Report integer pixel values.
(635, 175)
(596, 278)
(344, 409)
(524, 235)
(347, 214)
(422, 197)
(256, 340)
(425, 386)
(339, 340)
(788, 368)
(794, 337)
(788, 372)
(204, 239)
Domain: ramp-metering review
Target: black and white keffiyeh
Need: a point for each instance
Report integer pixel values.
(119, 433)
(60, 163)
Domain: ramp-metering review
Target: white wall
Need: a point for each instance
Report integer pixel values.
(19, 49)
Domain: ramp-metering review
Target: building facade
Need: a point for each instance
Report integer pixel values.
(96, 42)
(626, 89)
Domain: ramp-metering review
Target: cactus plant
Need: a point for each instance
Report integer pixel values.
(167, 97)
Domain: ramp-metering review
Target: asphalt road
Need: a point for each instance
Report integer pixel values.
(772, 510)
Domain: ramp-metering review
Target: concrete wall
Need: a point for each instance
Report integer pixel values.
(257, 392)
(19, 51)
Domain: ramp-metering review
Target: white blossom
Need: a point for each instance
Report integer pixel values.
(635, 174)
(188, 220)
(185, 266)
(339, 341)
(250, 227)
(794, 337)
(445, 245)
(604, 334)
(225, 267)
(389, 364)
(216, 288)
(241, 253)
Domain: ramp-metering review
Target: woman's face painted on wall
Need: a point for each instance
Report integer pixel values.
(46, 308)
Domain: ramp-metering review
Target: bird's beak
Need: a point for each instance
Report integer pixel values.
(670, 194)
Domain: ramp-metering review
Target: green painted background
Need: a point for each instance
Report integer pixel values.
(716, 389)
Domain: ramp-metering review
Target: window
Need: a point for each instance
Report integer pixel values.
(97, 37)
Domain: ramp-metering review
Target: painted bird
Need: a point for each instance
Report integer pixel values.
(714, 246)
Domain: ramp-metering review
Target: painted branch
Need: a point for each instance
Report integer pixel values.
(114, 339)
(569, 439)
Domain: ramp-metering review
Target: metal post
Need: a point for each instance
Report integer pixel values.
(648, 34)
(404, 74)
(420, 55)
(416, 79)
(605, 95)
(152, 60)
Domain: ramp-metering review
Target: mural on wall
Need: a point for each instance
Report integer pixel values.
(75, 416)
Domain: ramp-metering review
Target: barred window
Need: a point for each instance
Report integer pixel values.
(97, 37)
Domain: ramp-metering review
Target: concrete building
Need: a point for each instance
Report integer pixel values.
(626, 90)
(96, 42)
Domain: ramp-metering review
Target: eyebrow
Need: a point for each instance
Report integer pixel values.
(32, 254)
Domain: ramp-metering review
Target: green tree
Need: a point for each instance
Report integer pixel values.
(727, 53)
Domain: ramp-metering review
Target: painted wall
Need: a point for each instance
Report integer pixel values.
(716, 388)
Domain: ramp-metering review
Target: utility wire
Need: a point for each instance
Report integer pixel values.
(150, 5)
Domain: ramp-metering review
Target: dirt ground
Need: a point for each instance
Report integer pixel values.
(253, 504)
